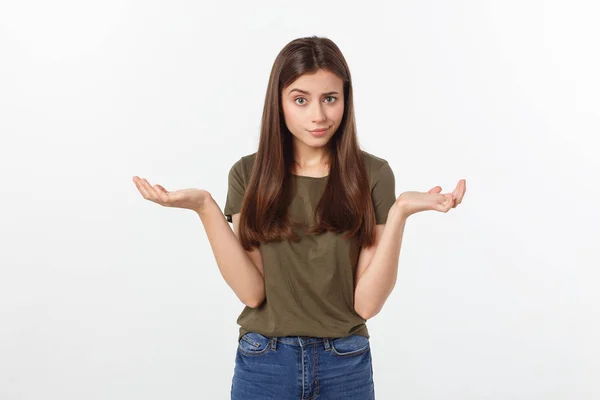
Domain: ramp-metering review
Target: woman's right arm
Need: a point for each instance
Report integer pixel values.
(241, 269)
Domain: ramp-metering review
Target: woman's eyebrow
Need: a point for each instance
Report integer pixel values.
(305, 92)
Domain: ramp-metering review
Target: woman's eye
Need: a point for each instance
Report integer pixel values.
(302, 98)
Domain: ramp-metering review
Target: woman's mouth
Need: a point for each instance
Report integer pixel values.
(319, 132)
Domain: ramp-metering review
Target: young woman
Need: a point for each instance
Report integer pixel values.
(316, 237)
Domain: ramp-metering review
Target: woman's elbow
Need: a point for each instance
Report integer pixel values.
(366, 312)
(254, 302)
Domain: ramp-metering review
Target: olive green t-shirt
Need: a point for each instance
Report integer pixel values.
(309, 284)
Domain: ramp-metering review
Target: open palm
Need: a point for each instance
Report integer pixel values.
(414, 202)
(192, 199)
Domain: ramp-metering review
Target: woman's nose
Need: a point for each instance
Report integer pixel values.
(318, 113)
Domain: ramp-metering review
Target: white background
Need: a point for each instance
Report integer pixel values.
(105, 295)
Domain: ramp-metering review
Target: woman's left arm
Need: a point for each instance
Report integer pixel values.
(375, 282)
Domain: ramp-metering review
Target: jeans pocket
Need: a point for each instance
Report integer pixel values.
(254, 344)
(352, 345)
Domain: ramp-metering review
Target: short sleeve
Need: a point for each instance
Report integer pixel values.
(383, 192)
(236, 187)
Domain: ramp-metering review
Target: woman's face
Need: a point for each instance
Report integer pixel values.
(313, 101)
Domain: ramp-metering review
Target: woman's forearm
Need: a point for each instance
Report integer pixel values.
(379, 278)
(237, 269)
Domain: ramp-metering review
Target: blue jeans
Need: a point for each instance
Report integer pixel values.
(302, 368)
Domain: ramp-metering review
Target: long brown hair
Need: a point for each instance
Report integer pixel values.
(346, 204)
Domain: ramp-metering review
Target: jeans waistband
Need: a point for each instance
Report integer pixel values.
(301, 340)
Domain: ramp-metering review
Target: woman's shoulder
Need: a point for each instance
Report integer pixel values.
(244, 164)
(249, 157)
(373, 165)
(372, 160)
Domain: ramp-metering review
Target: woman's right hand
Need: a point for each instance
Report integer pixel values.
(191, 199)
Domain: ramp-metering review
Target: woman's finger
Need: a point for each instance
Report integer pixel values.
(158, 195)
(435, 190)
(140, 185)
(456, 193)
(150, 190)
(447, 205)
(161, 193)
(451, 202)
(442, 198)
(461, 192)
(162, 189)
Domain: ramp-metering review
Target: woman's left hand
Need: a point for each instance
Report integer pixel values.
(413, 202)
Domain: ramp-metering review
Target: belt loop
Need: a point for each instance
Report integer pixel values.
(274, 343)
(326, 344)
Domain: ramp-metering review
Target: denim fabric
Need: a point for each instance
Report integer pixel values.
(302, 368)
